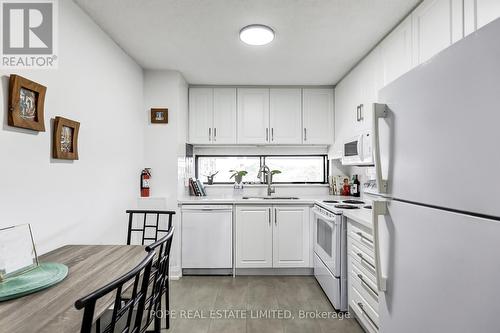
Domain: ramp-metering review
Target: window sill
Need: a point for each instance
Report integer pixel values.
(265, 185)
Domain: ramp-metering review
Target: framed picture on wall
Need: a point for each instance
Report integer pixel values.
(65, 140)
(159, 116)
(26, 103)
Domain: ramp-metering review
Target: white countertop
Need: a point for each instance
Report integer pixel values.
(361, 215)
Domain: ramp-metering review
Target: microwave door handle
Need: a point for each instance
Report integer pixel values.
(360, 147)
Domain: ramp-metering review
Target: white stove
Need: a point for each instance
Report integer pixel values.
(330, 248)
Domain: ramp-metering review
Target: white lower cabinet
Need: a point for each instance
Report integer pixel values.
(291, 236)
(272, 236)
(362, 290)
(254, 237)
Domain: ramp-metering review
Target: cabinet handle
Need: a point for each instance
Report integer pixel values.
(363, 237)
(209, 134)
(272, 133)
(357, 113)
(367, 315)
(305, 134)
(270, 213)
(215, 133)
(267, 134)
(275, 217)
(366, 261)
(361, 108)
(367, 285)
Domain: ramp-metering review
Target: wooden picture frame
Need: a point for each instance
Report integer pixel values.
(65, 140)
(159, 116)
(26, 104)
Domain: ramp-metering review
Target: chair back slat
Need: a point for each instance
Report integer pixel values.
(141, 272)
(159, 280)
(142, 231)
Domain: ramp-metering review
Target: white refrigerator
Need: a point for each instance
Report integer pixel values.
(437, 222)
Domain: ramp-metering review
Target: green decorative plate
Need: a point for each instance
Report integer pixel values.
(45, 275)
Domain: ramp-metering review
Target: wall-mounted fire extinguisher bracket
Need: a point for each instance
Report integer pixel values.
(145, 182)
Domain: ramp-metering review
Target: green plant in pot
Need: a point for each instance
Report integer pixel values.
(238, 175)
(274, 172)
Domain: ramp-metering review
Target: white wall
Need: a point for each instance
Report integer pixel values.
(83, 201)
(164, 144)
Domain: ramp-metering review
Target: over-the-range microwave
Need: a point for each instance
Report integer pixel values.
(358, 150)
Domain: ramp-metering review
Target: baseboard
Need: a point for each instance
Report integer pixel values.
(175, 273)
(275, 271)
(207, 271)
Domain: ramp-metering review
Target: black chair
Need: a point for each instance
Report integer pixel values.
(159, 283)
(133, 306)
(145, 226)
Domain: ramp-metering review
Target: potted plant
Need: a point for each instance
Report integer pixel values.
(210, 177)
(238, 177)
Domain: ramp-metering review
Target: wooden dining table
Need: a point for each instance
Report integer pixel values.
(52, 309)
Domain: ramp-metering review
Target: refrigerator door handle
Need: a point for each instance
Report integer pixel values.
(379, 111)
(378, 208)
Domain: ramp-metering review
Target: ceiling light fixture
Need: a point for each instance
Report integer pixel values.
(256, 34)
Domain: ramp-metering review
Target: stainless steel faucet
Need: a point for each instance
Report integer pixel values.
(265, 168)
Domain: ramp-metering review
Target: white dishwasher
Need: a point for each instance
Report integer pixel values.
(207, 238)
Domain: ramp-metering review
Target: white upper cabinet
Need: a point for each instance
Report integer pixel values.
(436, 25)
(478, 13)
(212, 115)
(285, 116)
(396, 52)
(200, 115)
(253, 116)
(224, 116)
(318, 113)
(291, 239)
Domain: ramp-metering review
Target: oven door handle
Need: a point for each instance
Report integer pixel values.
(325, 218)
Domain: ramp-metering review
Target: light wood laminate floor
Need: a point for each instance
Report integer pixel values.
(260, 304)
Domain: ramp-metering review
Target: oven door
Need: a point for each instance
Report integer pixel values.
(327, 240)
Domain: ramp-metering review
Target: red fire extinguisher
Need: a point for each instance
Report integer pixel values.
(145, 185)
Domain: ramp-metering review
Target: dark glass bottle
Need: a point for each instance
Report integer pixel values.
(356, 187)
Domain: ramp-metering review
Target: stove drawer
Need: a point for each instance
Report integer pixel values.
(329, 283)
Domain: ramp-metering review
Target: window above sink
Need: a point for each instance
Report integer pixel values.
(295, 169)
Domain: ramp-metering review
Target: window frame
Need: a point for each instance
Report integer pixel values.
(262, 159)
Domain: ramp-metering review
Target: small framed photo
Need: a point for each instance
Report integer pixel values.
(26, 103)
(159, 116)
(65, 140)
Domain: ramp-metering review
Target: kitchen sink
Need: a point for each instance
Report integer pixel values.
(271, 198)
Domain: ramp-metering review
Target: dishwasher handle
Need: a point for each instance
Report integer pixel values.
(207, 208)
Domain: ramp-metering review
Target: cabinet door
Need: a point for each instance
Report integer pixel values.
(478, 13)
(200, 115)
(285, 116)
(370, 83)
(317, 108)
(291, 241)
(253, 115)
(224, 129)
(396, 51)
(436, 25)
(254, 237)
(344, 114)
